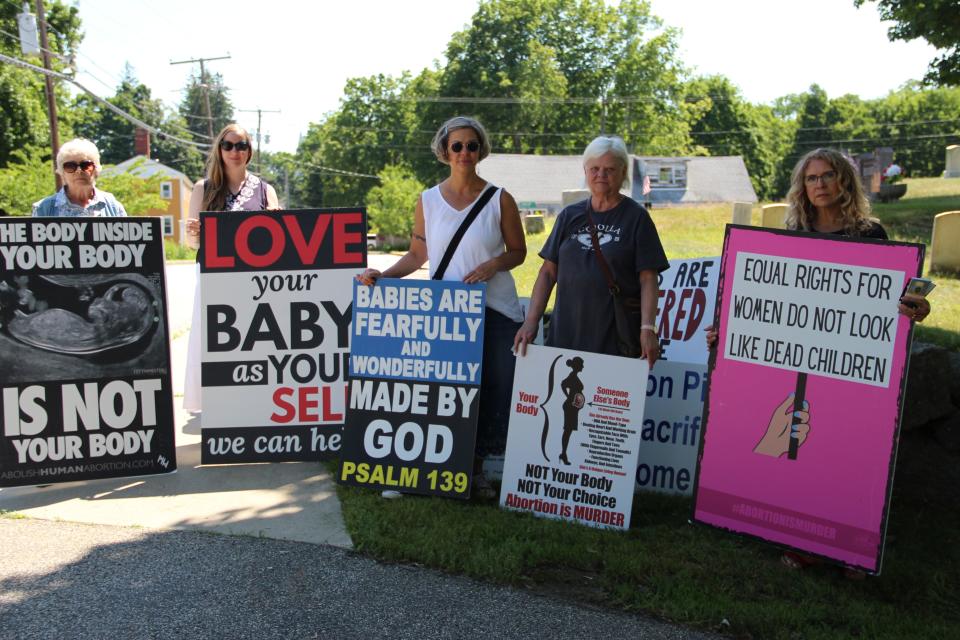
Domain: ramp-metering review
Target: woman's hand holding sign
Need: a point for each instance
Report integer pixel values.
(784, 424)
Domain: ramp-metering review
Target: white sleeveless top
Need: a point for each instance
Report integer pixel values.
(483, 241)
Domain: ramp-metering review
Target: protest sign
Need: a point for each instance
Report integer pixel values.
(676, 386)
(688, 291)
(574, 434)
(670, 435)
(276, 291)
(415, 366)
(806, 387)
(84, 350)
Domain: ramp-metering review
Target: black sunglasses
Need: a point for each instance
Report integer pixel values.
(473, 146)
(226, 145)
(83, 165)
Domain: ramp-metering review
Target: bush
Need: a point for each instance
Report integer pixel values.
(391, 204)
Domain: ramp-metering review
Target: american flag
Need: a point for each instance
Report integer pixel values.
(645, 187)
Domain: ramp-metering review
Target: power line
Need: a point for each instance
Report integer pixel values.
(120, 112)
(323, 169)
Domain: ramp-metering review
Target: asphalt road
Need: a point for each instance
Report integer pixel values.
(66, 580)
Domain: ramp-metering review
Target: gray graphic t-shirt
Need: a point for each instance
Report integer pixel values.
(583, 314)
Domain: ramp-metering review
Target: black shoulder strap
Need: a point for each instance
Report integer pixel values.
(458, 236)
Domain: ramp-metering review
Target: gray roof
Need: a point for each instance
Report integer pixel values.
(144, 167)
(542, 179)
(531, 178)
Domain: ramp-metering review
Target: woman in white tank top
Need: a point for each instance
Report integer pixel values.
(492, 246)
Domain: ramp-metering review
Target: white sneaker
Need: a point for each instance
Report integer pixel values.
(390, 494)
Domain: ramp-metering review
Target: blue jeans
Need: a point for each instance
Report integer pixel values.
(496, 382)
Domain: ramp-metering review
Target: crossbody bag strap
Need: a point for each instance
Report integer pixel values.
(458, 236)
(611, 283)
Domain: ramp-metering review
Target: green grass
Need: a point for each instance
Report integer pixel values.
(696, 575)
(175, 251)
(692, 574)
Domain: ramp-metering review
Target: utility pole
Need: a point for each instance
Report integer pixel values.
(203, 85)
(259, 113)
(51, 97)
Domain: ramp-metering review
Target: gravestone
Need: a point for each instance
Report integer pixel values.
(742, 212)
(533, 224)
(953, 162)
(945, 245)
(772, 216)
(569, 196)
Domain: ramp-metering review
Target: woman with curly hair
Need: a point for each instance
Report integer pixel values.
(826, 196)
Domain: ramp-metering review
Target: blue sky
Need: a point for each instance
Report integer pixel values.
(295, 56)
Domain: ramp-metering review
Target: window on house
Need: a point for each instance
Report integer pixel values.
(666, 174)
(166, 190)
(167, 226)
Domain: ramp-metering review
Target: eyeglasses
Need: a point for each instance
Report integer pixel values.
(473, 146)
(827, 177)
(226, 145)
(84, 165)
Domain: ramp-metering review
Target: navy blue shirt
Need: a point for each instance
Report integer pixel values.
(583, 314)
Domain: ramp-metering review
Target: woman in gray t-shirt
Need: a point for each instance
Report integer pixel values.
(583, 315)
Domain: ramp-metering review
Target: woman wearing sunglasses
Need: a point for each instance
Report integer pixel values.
(492, 245)
(228, 186)
(78, 163)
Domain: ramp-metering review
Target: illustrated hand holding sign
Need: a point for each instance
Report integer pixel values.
(836, 321)
(812, 354)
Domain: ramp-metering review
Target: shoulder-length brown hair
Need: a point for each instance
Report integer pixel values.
(854, 205)
(215, 189)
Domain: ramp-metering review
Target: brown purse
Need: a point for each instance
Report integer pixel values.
(626, 309)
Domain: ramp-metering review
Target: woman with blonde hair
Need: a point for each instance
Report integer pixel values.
(228, 186)
(826, 196)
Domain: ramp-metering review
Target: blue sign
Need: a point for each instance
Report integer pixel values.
(424, 330)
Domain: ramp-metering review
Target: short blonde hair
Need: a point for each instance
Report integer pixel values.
(614, 145)
(854, 204)
(79, 147)
(440, 139)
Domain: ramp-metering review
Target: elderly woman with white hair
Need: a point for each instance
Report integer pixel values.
(621, 230)
(78, 163)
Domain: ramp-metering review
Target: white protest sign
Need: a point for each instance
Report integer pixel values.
(574, 435)
(837, 321)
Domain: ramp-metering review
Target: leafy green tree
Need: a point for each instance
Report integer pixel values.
(373, 128)
(193, 107)
(391, 203)
(137, 195)
(724, 124)
(26, 179)
(114, 134)
(23, 107)
(619, 69)
(918, 124)
(937, 22)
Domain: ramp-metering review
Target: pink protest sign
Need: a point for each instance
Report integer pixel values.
(811, 352)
